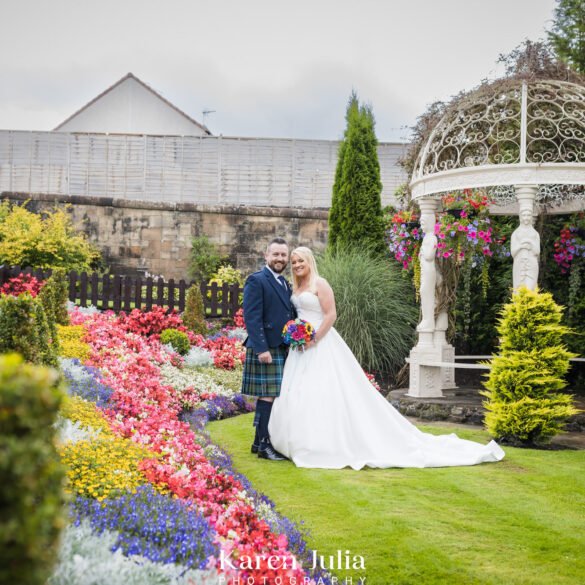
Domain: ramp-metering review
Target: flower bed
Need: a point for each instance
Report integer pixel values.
(147, 419)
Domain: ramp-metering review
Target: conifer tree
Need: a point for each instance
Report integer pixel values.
(568, 33)
(355, 217)
(523, 400)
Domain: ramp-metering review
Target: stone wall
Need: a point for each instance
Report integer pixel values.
(138, 236)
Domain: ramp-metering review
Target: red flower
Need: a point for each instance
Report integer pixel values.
(21, 284)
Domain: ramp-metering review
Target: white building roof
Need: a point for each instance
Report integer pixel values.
(130, 106)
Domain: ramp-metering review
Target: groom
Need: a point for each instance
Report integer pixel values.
(267, 307)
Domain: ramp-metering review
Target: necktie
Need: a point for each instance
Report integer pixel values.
(282, 281)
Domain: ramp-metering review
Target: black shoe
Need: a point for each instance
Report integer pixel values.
(269, 452)
(254, 448)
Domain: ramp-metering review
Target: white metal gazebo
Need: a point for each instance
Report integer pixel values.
(522, 141)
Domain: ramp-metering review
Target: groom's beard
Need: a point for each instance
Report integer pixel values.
(277, 267)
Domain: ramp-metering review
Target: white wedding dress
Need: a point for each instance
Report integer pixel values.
(328, 414)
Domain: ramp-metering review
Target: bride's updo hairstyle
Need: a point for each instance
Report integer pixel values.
(306, 255)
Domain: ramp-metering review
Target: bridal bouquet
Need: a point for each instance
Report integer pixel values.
(297, 333)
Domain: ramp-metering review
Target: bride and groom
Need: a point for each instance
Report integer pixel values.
(316, 406)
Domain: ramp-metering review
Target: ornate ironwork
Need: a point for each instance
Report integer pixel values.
(512, 123)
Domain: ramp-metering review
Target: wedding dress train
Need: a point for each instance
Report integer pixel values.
(328, 414)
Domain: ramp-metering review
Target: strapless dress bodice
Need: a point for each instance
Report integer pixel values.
(308, 308)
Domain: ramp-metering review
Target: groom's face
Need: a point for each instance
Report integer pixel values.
(277, 257)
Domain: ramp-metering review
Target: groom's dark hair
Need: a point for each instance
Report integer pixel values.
(276, 241)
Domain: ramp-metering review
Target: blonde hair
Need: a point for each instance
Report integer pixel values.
(306, 255)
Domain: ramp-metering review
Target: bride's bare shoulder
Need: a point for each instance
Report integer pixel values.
(322, 284)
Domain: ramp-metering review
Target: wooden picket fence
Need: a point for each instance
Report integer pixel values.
(124, 293)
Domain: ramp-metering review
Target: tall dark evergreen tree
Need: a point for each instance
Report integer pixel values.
(568, 33)
(335, 213)
(355, 218)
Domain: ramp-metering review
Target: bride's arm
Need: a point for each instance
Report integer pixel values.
(327, 301)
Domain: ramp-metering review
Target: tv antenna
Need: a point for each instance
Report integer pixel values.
(206, 113)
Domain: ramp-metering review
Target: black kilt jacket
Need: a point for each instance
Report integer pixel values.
(267, 308)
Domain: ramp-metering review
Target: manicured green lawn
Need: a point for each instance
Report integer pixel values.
(515, 522)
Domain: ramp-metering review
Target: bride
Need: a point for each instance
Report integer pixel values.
(328, 414)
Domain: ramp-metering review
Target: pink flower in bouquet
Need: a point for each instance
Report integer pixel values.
(297, 333)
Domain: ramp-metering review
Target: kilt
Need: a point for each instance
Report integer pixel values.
(263, 379)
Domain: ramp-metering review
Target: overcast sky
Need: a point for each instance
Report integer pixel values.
(268, 68)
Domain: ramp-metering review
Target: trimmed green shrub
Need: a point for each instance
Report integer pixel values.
(376, 311)
(54, 296)
(523, 400)
(27, 239)
(31, 489)
(178, 339)
(194, 314)
(25, 329)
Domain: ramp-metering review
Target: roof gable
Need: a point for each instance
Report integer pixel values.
(130, 106)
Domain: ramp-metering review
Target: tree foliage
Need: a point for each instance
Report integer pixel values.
(48, 241)
(524, 403)
(355, 217)
(567, 35)
(31, 491)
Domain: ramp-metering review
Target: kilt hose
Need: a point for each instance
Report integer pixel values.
(263, 379)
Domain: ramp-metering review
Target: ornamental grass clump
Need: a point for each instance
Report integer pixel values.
(31, 490)
(376, 312)
(524, 403)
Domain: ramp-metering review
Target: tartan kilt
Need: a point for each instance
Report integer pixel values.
(263, 379)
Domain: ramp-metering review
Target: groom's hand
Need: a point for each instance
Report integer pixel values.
(265, 357)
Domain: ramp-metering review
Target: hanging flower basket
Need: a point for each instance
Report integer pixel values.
(403, 237)
(570, 245)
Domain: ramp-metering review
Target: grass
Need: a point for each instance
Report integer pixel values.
(519, 521)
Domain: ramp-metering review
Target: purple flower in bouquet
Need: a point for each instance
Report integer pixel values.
(297, 333)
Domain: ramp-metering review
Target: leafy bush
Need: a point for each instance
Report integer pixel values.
(523, 400)
(204, 259)
(376, 313)
(54, 296)
(31, 487)
(194, 314)
(177, 339)
(227, 275)
(27, 239)
(25, 329)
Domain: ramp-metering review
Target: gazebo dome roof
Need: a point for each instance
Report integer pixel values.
(509, 133)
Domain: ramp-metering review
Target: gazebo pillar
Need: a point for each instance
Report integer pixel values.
(426, 381)
(525, 243)
(446, 350)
